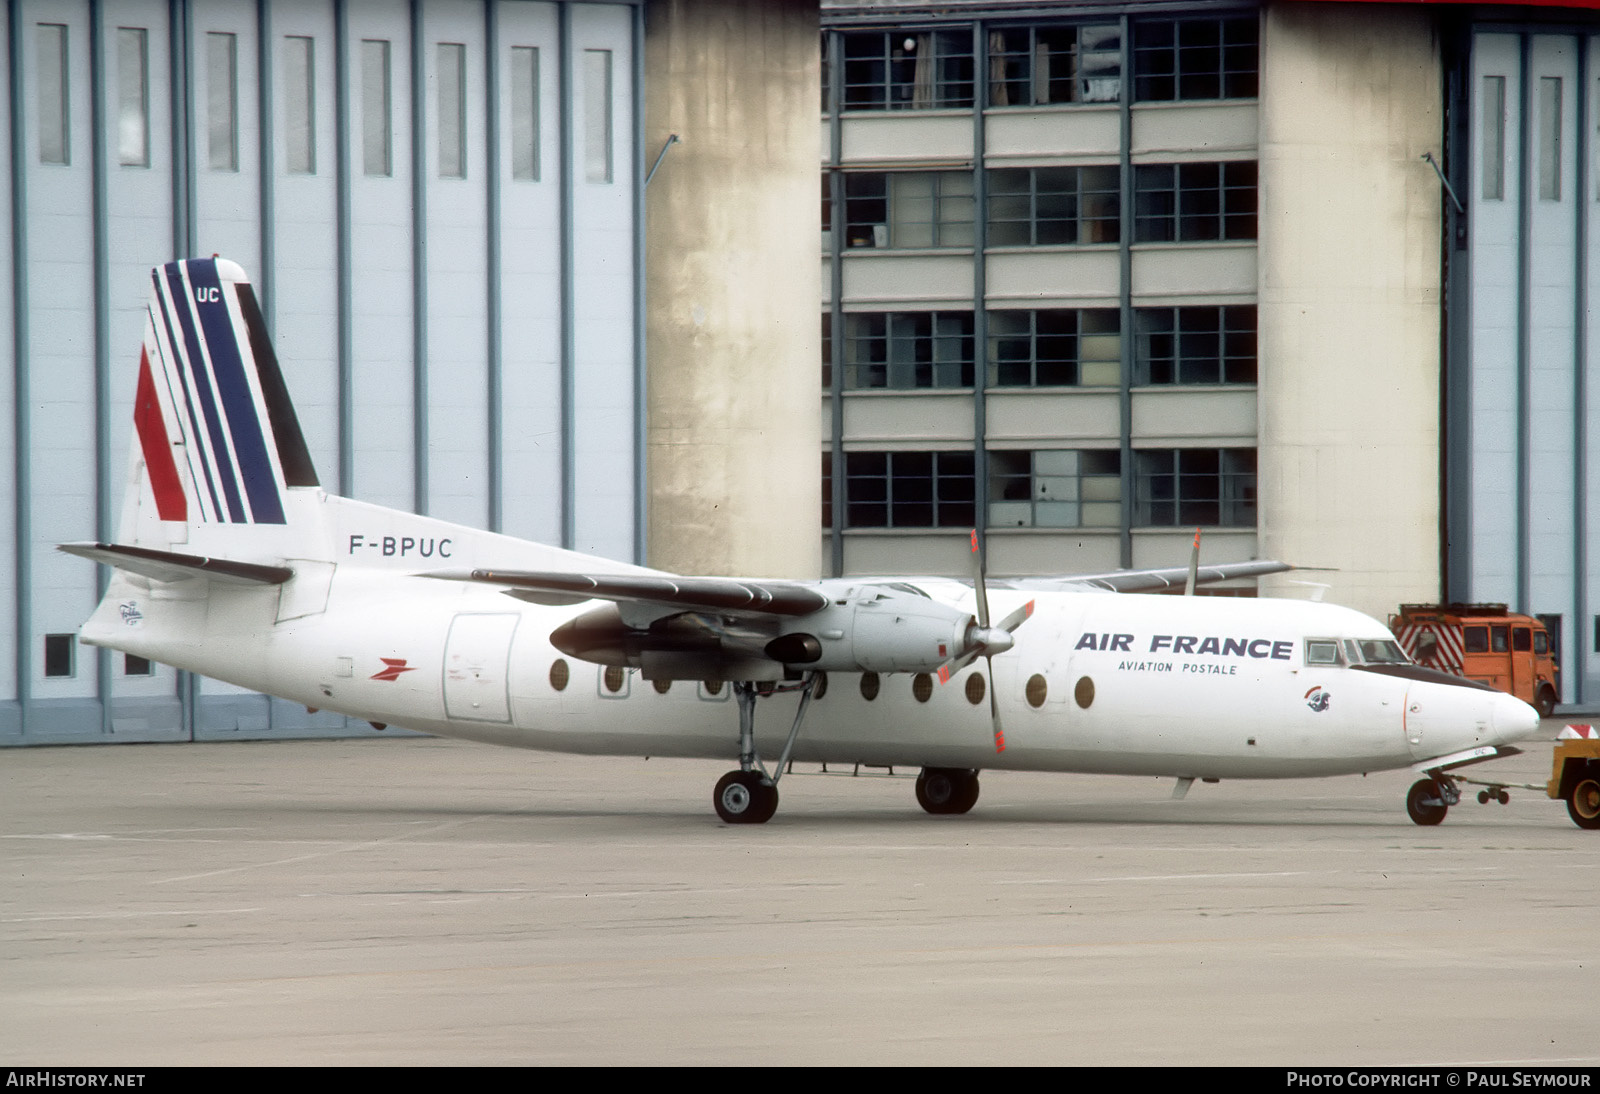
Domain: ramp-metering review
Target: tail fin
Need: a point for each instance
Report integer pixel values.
(216, 440)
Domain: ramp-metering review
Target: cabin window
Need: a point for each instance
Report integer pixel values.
(1322, 651)
(1475, 639)
(869, 686)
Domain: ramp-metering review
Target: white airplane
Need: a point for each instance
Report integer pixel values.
(234, 563)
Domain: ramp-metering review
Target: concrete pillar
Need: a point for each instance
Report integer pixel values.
(732, 261)
(1349, 284)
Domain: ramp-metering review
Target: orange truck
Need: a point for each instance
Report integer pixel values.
(1483, 642)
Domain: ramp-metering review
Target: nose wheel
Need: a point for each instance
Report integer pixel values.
(1429, 800)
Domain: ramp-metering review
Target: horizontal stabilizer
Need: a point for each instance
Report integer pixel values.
(171, 566)
(690, 593)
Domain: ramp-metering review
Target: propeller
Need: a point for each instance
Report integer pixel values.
(986, 641)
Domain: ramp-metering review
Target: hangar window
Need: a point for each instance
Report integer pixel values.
(597, 115)
(1055, 347)
(907, 69)
(1549, 138)
(525, 113)
(904, 209)
(60, 655)
(1176, 59)
(133, 97)
(1046, 206)
(222, 102)
(908, 489)
(1033, 66)
(907, 350)
(452, 76)
(299, 105)
(55, 104)
(377, 122)
(1209, 345)
(1189, 487)
(1194, 202)
(1055, 489)
(134, 665)
(1494, 138)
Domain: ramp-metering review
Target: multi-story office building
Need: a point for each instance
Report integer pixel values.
(1313, 277)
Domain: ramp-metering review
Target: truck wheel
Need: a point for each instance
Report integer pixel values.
(1583, 803)
(1544, 700)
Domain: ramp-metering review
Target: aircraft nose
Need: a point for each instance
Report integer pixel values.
(1513, 719)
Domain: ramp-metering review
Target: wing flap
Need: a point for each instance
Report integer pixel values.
(171, 566)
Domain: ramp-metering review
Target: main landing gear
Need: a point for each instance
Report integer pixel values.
(947, 789)
(750, 795)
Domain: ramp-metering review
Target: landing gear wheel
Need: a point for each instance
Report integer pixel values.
(1544, 701)
(1583, 803)
(947, 789)
(1425, 803)
(742, 797)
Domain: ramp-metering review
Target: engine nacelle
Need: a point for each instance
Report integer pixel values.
(873, 630)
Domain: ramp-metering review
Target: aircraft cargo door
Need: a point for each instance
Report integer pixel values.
(477, 656)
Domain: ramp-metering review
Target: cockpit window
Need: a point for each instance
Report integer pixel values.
(1322, 651)
(1382, 651)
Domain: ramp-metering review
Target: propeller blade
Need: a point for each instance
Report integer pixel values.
(994, 710)
(1194, 565)
(977, 583)
(1011, 622)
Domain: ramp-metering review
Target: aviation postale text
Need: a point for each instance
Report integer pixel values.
(1189, 644)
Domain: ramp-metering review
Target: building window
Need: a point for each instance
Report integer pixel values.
(1055, 488)
(452, 63)
(55, 104)
(1035, 66)
(907, 350)
(525, 113)
(908, 209)
(1494, 138)
(1043, 206)
(222, 102)
(908, 489)
(60, 652)
(1195, 59)
(1190, 487)
(1549, 138)
(1208, 345)
(134, 665)
(133, 97)
(377, 123)
(1194, 202)
(907, 69)
(597, 115)
(1055, 347)
(299, 106)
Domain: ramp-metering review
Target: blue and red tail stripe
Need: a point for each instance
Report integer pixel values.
(231, 435)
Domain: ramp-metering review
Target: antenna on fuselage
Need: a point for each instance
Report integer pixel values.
(1194, 566)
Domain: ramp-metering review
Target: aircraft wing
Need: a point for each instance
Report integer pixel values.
(706, 594)
(1146, 581)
